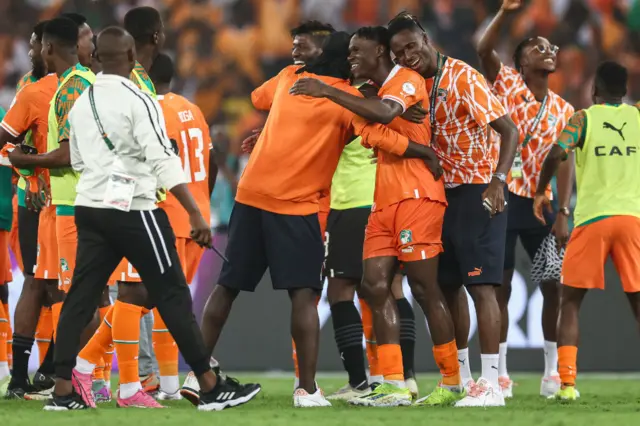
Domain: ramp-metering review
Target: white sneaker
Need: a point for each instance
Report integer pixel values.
(303, 399)
(164, 396)
(506, 385)
(191, 389)
(412, 385)
(483, 394)
(348, 392)
(550, 385)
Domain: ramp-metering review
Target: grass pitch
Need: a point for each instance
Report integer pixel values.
(606, 400)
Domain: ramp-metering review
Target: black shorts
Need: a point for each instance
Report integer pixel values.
(28, 237)
(473, 241)
(290, 246)
(344, 242)
(522, 223)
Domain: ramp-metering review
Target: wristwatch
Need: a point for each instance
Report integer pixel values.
(565, 211)
(502, 177)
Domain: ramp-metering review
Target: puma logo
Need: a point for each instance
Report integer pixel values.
(461, 361)
(610, 126)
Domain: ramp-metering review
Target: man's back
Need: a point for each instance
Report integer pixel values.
(188, 128)
(298, 150)
(608, 163)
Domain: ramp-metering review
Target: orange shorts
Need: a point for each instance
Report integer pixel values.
(190, 254)
(125, 272)
(590, 246)
(47, 260)
(67, 236)
(5, 259)
(410, 230)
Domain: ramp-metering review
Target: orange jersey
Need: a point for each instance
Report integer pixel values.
(399, 178)
(523, 108)
(262, 97)
(464, 107)
(188, 128)
(30, 111)
(298, 150)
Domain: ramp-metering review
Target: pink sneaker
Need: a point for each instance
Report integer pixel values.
(141, 399)
(82, 384)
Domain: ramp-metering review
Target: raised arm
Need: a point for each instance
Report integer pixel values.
(489, 59)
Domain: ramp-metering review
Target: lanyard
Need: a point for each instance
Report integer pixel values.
(441, 60)
(105, 138)
(536, 121)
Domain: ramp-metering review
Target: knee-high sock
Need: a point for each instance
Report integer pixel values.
(407, 335)
(390, 356)
(4, 333)
(126, 339)
(446, 357)
(98, 345)
(370, 338)
(44, 332)
(347, 328)
(9, 343)
(56, 308)
(98, 372)
(166, 352)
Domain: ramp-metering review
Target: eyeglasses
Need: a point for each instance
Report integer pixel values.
(553, 49)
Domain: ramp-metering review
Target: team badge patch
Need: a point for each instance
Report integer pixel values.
(64, 266)
(406, 237)
(408, 89)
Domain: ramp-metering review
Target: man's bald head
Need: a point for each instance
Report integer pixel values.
(116, 51)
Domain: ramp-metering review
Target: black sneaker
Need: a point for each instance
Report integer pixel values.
(17, 390)
(227, 393)
(43, 381)
(69, 402)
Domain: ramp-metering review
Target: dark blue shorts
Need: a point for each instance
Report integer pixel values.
(289, 246)
(473, 241)
(523, 224)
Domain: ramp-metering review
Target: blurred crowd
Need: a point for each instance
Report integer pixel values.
(225, 48)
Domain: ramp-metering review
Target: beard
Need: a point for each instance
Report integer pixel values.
(39, 70)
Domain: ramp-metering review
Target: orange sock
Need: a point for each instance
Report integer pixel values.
(108, 363)
(390, 360)
(370, 339)
(164, 347)
(55, 317)
(126, 339)
(4, 327)
(446, 357)
(9, 344)
(567, 364)
(44, 332)
(103, 312)
(100, 342)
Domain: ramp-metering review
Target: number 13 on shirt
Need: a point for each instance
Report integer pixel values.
(193, 155)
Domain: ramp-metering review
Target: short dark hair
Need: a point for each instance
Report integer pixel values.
(612, 78)
(38, 30)
(404, 21)
(378, 34)
(79, 19)
(517, 54)
(142, 23)
(162, 69)
(63, 30)
(315, 29)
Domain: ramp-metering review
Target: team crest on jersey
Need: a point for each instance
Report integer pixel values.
(406, 236)
(408, 89)
(552, 120)
(442, 95)
(64, 266)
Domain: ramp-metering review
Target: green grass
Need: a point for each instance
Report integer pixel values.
(605, 401)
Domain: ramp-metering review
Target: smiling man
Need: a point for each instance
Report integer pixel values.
(461, 110)
(540, 115)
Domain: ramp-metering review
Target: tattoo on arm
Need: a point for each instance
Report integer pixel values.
(572, 136)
